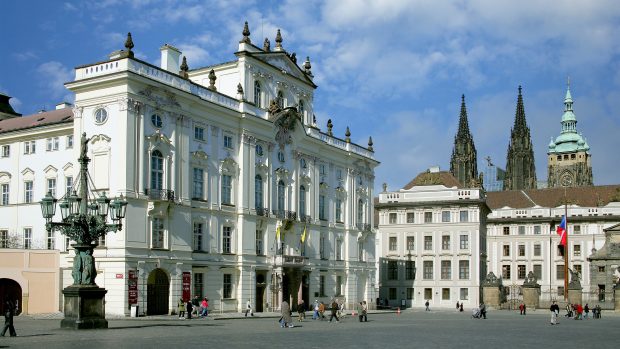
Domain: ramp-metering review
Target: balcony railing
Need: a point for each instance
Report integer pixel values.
(282, 214)
(291, 261)
(261, 211)
(364, 227)
(160, 194)
(305, 218)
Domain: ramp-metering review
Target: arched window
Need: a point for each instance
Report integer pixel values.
(301, 107)
(280, 195)
(258, 192)
(280, 99)
(302, 201)
(360, 211)
(257, 94)
(157, 170)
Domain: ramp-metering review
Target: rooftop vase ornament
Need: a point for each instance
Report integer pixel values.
(84, 220)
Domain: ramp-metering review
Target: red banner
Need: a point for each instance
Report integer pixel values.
(132, 286)
(187, 286)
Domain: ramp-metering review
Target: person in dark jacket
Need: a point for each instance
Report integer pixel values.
(334, 309)
(9, 311)
(188, 310)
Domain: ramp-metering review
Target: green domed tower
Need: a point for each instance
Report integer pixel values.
(569, 155)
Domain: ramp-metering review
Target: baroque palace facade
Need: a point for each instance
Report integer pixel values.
(213, 161)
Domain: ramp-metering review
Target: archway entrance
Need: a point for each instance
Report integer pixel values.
(10, 290)
(260, 291)
(157, 293)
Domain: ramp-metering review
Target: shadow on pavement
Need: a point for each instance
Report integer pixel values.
(162, 325)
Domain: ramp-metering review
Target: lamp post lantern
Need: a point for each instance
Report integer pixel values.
(84, 220)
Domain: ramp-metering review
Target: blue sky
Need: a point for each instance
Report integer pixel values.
(394, 70)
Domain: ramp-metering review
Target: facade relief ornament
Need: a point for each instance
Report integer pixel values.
(77, 111)
(229, 166)
(262, 168)
(153, 94)
(129, 104)
(159, 140)
(285, 122)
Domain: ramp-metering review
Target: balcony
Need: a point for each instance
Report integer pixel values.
(305, 218)
(282, 214)
(261, 211)
(290, 261)
(160, 194)
(364, 227)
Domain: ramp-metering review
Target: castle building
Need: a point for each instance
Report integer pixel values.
(569, 158)
(520, 164)
(464, 161)
(234, 192)
(432, 242)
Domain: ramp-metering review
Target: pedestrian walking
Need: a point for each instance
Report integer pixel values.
(461, 309)
(555, 310)
(521, 309)
(189, 307)
(334, 309)
(248, 308)
(301, 310)
(322, 310)
(9, 312)
(363, 311)
(586, 310)
(525, 309)
(458, 306)
(181, 308)
(204, 307)
(196, 305)
(315, 308)
(483, 310)
(427, 304)
(286, 320)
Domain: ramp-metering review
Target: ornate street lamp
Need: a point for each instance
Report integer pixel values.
(84, 220)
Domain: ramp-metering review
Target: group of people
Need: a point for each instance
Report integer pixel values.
(195, 306)
(579, 312)
(522, 309)
(459, 306)
(336, 308)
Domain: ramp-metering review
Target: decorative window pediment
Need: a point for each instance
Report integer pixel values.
(304, 179)
(27, 174)
(50, 171)
(341, 192)
(228, 166)
(323, 187)
(100, 143)
(5, 177)
(282, 174)
(199, 157)
(159, 140)
(362, 192)
(262, 168)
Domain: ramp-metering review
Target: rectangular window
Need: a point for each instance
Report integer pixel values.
(410, 243)
(228, 142)
(6, 151)
(198, 189)
(601, 269)
(428, 293)
(522, 230)
(198, 285)
(322, 207)
(506, 271)
(322, 247)
(410, 217)
(445, 216)
(51, 186)
(410, 293)
(226, 190)
(428, 243)
(537, 230)
(29, 147)
(464, 270)
(360, 251)
(464, 242)
(410, 270)
(227, 286)
(559, 272)
(428, 217)
(392, 218)
(506, 230)
(4, 239)
(464, 216)
(521, 250)
(560, 290)
(521, 271)
(392, 243)
(259, 243)
(69, 141)
(339, 210)
(197, 236)
(27, 238)
(5, 194)
(536, 250)
(506, 250)
(445, 294)
(68, 185)
(577, 250)
(322, 286)
(338, 285)
(577, 229)
(50, 240)
(392, 270)
(338, 250)
(428, 270)
(445, 242)
(464, 294)
(52, 144)
(199, 133)
(157, 233)
(392, 293)
(538, 271)
(446, 270)
(577, 268)
(226, 239)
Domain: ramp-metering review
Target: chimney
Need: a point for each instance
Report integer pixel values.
(170, 58)
(63, 105)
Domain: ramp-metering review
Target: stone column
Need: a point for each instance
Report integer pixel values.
(531, 296)
(492, 291)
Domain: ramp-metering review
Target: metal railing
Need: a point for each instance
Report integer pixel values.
(160, 194)
(283, 214)
(364, 226)
(261, 211)
(305, 218)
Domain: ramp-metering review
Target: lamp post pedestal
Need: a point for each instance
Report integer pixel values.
(84, 307)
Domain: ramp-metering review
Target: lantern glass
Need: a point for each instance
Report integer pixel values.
(64, 209)
(104, 205)
(48, 206)
(74, 203)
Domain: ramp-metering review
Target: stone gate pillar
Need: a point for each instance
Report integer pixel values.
(492, 291)
(531, 291)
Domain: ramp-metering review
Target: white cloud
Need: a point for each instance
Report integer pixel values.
(54, 75)
(196, 55)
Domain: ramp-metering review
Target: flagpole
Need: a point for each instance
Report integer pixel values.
(566, 248)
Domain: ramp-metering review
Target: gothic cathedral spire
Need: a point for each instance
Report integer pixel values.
(464, 161)
(520, 167)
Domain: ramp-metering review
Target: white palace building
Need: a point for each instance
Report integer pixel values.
(211, 161)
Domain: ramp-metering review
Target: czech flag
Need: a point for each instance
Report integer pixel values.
(561, 230)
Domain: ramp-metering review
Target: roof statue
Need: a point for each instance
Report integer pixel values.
(246, 34)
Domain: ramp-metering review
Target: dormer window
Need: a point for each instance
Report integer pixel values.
(257, 92)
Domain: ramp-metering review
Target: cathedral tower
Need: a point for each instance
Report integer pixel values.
(520, 167)
(464, 162)
(569, 158)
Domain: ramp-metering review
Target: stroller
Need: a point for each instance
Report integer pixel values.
(476, 314)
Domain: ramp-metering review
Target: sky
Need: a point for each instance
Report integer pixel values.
(394, 70)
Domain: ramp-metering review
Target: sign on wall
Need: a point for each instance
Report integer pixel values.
(132, 286)
(187, 284)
